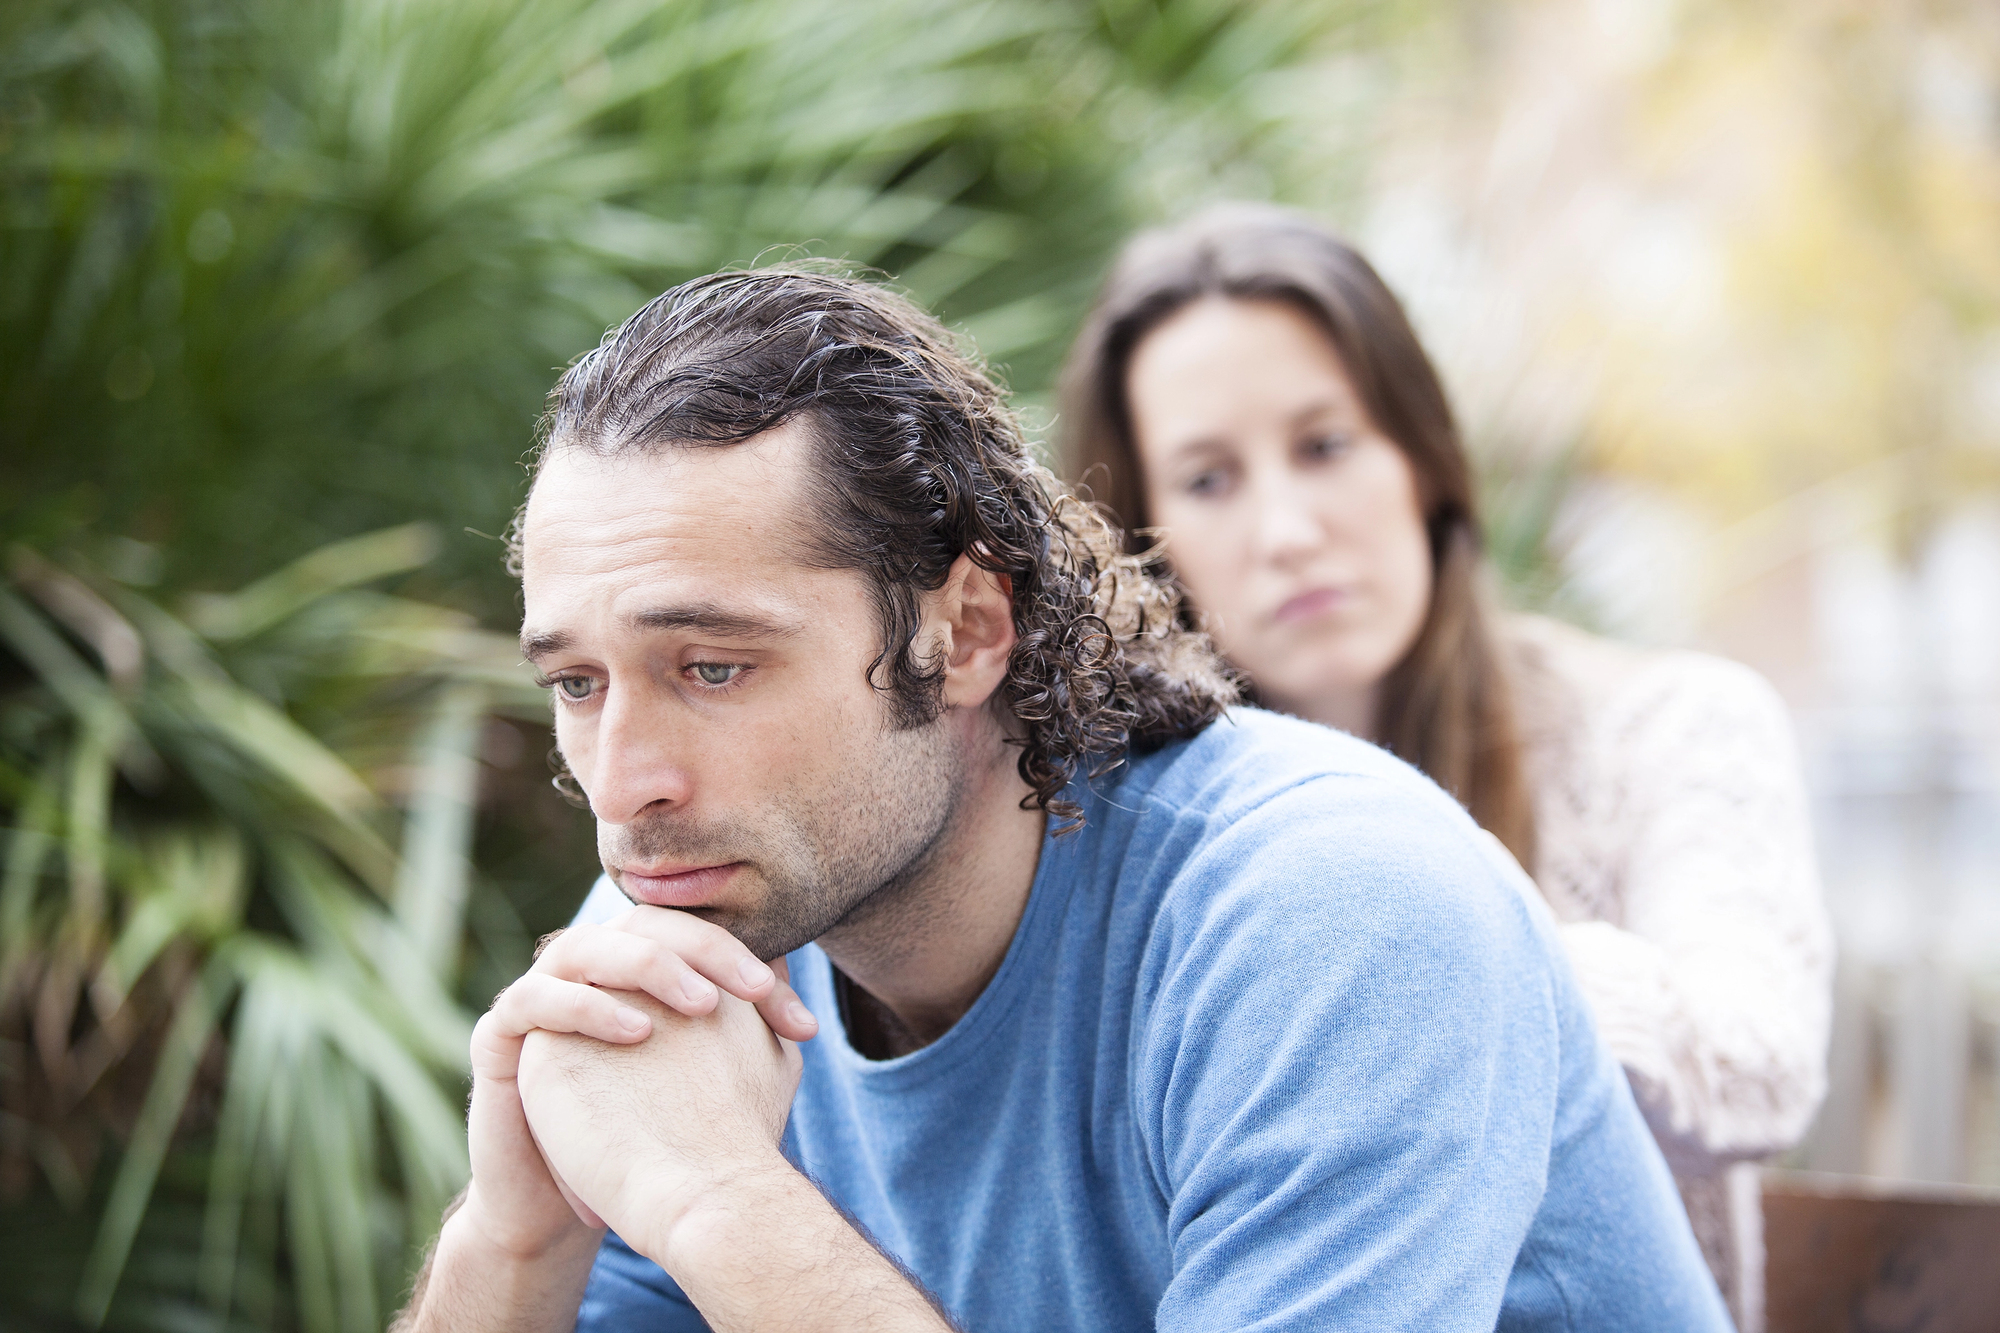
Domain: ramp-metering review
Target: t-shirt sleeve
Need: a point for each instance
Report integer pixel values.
(1348, 1075)
(1371, 1095)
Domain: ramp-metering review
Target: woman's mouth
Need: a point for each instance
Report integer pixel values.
(675, 886)
(1307, 605)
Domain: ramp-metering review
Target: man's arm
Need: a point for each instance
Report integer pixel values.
(675, 1142)
(516, 1249)
(403, 1320)
(1408, 1093)
(466, 1283)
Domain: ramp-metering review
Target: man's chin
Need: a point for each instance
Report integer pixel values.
(765, 931)
(767, 938)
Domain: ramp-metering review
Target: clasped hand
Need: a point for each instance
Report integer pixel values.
(635, 1070)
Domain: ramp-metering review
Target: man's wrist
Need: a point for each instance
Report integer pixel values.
(501, 1239)
(687, 1225)
(479, 1276)
(762, 1247)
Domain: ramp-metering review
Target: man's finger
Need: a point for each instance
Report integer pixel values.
(615, 960)
(551, 1004)
(715, 952)
(723, 958)
(786, 1014)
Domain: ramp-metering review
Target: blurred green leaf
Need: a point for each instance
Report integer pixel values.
(286, 281)
(243, 890)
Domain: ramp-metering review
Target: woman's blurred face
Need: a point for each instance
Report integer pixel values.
(1293, 521)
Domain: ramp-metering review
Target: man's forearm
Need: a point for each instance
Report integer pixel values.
(770, 1251)
(467, 1283)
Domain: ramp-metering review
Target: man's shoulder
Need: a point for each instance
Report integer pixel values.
(1249, 757)
(1265, 827)
(1267, 794)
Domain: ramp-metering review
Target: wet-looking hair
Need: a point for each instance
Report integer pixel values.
(917, 460)
(1448, 706)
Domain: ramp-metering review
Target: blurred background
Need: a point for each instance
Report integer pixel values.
(1716, 285)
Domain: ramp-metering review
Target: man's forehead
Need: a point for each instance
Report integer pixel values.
(696, 522)
(749, 495)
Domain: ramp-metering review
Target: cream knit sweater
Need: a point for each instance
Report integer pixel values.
(1674, 846)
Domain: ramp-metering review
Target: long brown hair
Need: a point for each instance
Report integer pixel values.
(1448, 706)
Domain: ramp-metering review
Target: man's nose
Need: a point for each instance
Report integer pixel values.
(640, 758)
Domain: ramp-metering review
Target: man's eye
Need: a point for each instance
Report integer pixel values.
(716, 673)
(575, 688)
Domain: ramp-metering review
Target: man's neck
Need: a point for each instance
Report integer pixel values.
(923, 951)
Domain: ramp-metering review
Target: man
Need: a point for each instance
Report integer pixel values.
(1114, 1010)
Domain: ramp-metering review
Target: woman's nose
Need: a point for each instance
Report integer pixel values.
(1286, 529)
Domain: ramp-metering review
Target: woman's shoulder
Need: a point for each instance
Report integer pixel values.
(1571, 680)
(1615, 737)
(1597, 679)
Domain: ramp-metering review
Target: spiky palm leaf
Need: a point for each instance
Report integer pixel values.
(275, 272)
(316, 262)
(187, 862)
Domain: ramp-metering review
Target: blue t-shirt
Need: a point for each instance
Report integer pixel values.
(1278, 1044)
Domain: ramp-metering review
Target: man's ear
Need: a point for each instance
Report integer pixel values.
(975, 620)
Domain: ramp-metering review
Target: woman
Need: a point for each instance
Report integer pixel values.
(1247, 388)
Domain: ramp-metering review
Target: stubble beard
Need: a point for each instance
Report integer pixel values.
(827, 859)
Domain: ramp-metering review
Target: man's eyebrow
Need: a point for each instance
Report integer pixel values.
(701, 616)
(535, 647)
(711, 619)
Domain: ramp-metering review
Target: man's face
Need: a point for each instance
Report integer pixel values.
(711, 690)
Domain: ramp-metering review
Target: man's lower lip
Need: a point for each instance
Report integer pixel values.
(690, 888)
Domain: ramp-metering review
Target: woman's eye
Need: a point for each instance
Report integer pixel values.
(1325, 447)
(575, 688)
(1210, 482)
(715, 673)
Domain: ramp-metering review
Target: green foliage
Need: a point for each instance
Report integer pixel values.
(215, 929)
(274, 273)
(1522, 498)
(313, 265)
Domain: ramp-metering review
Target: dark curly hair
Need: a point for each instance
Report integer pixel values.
(919, 461)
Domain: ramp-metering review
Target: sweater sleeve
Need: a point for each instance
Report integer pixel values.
(1713, 988)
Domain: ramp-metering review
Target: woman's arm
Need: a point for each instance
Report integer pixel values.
(1713, 987)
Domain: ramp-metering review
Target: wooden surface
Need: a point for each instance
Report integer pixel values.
(1849, 1255)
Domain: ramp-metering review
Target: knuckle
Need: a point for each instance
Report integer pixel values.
(645, 951)
(508, 999)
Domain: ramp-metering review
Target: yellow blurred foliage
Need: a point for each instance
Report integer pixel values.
(1764, 238)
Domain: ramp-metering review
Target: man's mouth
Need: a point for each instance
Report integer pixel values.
(674, 885)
